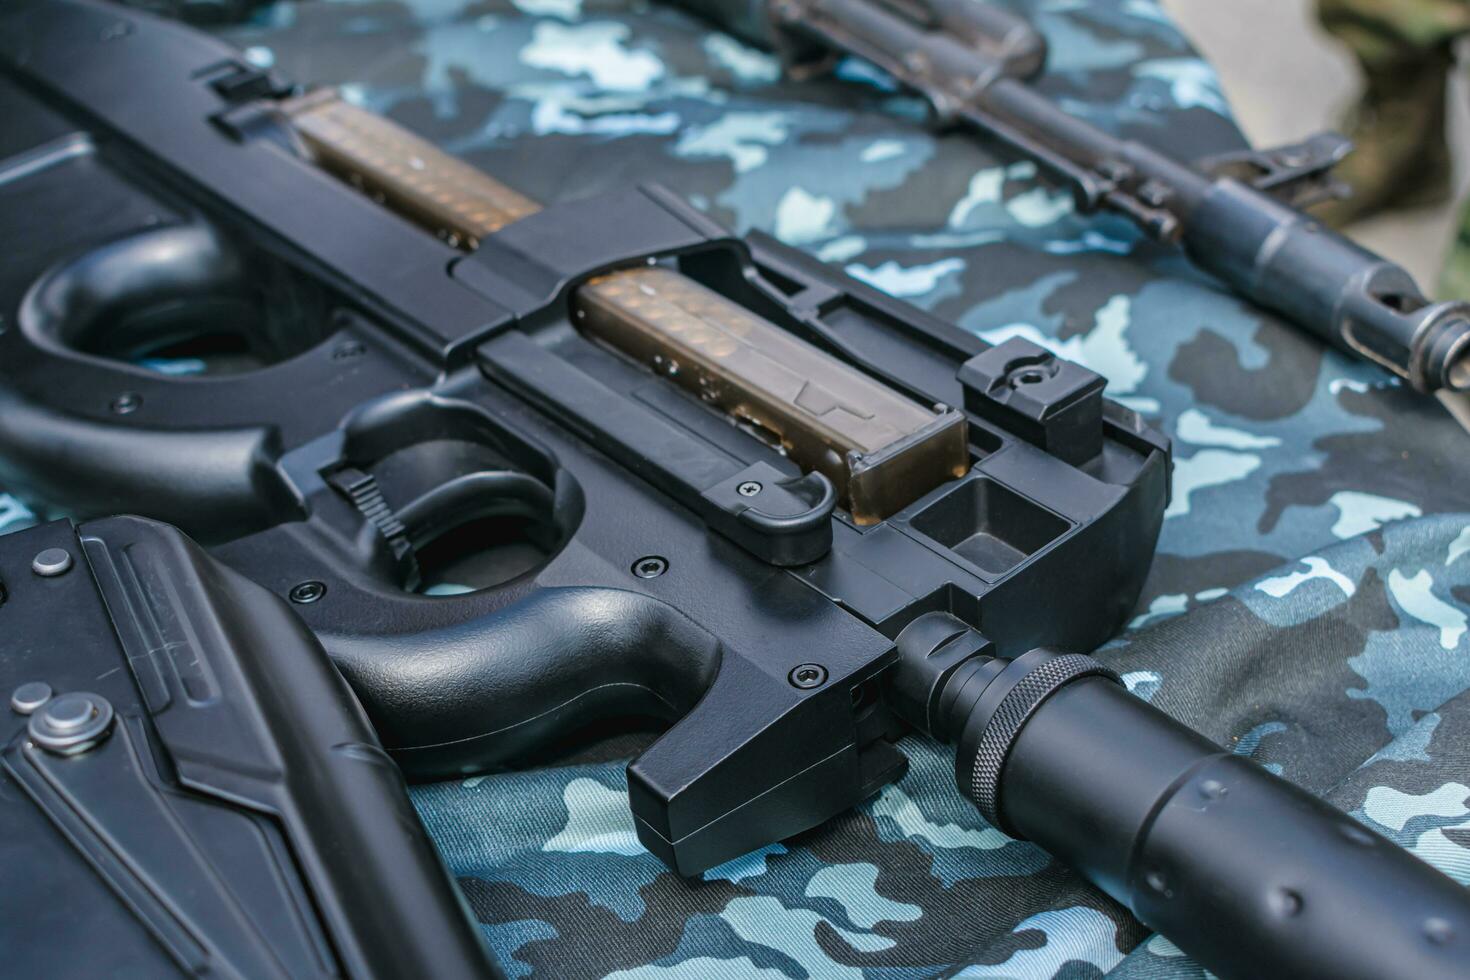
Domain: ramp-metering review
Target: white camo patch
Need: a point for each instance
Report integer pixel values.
(1208, 468)
(1359, 513)
(895, 804)
(803, 217)
(598, 821)
(1196, 427)
(1459, 547)
(1317, 568)
(596, 50)
(903, 282)
(1392, 808)
(1415, 596)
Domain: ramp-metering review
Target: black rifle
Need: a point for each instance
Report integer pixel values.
(1234, 215)
(642, 468)
(189, 787)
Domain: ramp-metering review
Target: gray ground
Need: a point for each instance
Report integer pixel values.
(1286, 79)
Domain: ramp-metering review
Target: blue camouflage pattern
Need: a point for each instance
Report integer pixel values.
(1309, 601)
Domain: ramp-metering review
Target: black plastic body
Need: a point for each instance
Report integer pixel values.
(239, 810)
(386, 400)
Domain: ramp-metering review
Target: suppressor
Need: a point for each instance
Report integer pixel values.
(1241, 869)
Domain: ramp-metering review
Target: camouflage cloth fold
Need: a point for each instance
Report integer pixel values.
(1309, 603)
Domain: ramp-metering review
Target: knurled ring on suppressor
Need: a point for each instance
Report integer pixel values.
(1008, 703)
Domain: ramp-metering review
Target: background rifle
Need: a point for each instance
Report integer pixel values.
(1234, 215)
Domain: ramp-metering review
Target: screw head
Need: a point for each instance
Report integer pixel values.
(126, 404)
(1438, 931)
(52, 562)
(650, 566)
(305, 593)
(30, 696)
(807, 676)
(1213, 789)
(69, 712)
(1031, 376)
(71, 723)
(749, 488)
(1285, 902)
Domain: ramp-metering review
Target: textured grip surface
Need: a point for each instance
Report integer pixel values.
(984, 757)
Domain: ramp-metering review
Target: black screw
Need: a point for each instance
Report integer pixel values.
(650, 566)
(127, 403)
(807, 676)
(307, 592)
(349, 349)
(1438, 931)
(52, 562)
(748, 489)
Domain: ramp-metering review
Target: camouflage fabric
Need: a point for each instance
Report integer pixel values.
(1389, 35)
(1406, 49)
(1309, 601)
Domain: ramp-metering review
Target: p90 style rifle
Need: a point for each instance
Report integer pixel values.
(525, 470)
